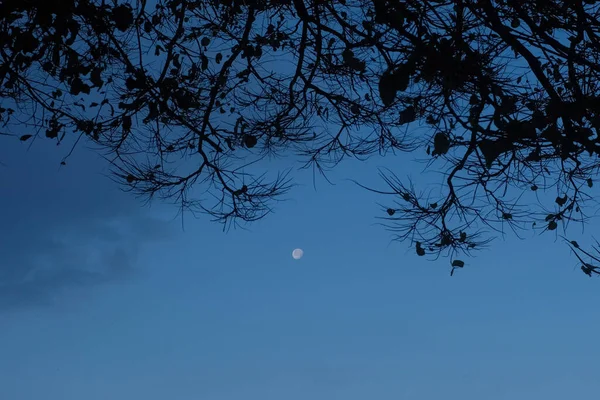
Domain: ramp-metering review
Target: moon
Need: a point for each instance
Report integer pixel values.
(297, 254)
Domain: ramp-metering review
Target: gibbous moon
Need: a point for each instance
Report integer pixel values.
(297, 254)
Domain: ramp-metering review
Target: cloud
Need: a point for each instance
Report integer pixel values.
(66, 228)
(40, 262)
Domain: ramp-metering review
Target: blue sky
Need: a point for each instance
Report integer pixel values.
(103, 298)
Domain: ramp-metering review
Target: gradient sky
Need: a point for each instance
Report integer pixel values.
(101, 298)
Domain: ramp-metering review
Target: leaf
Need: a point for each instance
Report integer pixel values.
(575, 244)
(407, 115)
(492, 149)
(176, 62)
(552, 225)
(250, 141)
(420, 250)
(130, 83)
(347, 55)
(441, 144)
(96, 77)
(76, 86)
(458, 263)
(401, 78)
(391, 211)
(122, 16)
(590, 183)
(52, 133)
(25, 137)
(126, 123)
(387, 92)
(587, 270)
(47, 66)
(561, 201)
(26, 42)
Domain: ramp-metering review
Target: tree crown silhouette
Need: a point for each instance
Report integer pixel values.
(501, 95)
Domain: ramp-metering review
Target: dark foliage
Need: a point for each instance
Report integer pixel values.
(502, 96)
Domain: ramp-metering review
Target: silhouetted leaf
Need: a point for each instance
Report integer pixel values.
(561, 201)
(400, 78)
(458, 264)
(77, 87)
(387, 91)
(26, 42)
(408, 115)
(126, 124)
(441, 144)
(122, 15)
(52, 133)
(250, 141)
(420, 250)
(25, 137)
(96, 77)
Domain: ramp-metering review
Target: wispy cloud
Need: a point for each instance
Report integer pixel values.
(66, 229)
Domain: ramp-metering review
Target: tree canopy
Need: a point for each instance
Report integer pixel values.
(502, 96)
